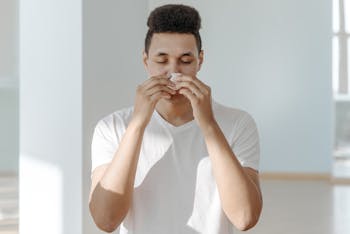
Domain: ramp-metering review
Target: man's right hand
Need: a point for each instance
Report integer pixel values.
(147, 95)
(112, 185)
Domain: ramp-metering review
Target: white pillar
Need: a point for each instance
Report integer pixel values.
(50, 45)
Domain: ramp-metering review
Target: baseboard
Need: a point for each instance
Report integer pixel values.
(295, 176)
(336, 180)
(8, 174)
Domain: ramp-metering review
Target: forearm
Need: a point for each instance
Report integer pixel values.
(112, 196)
(240, 195)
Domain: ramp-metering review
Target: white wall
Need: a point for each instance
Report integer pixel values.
(50, 188)
(273, 59)
(8, 87)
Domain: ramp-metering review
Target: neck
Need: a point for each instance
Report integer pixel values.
(175, 113)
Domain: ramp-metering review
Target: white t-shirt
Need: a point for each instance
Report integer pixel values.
(175, 191)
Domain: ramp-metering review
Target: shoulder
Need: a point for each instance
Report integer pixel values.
(117, 119)
(234, 122)
(229, 115)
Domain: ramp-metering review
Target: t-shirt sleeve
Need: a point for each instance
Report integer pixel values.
(246, 142)
(105, 142)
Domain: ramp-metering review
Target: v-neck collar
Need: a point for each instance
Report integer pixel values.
(172, 127)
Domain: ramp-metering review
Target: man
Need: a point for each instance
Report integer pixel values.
(175, 162)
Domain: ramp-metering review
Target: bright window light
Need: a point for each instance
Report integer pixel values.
(34, 176)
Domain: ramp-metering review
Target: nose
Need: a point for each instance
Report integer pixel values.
(173, 67)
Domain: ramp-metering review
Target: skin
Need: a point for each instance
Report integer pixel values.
(177, 102)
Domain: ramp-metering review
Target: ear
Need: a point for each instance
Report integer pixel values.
(144, 59)
(200, 58)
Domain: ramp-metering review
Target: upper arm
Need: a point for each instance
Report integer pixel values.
(245, 144)
(105, 141)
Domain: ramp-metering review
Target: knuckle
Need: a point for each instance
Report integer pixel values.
(139, 87)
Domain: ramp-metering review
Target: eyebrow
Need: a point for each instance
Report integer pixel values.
(184, 54)
(161, 54)
(187, 54)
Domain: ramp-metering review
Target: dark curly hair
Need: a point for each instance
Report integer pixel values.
(174, 18)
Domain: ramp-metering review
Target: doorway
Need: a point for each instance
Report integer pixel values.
(341, 87)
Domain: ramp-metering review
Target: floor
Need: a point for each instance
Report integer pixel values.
(304, 207)
(290, 207)
(8, 205)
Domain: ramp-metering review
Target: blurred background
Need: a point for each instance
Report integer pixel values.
(66, 64)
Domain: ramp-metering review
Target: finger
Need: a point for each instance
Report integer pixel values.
(158, 95)
(202, 87)
(158, 88)
(157, 80)
(191, 86)
(188, 94)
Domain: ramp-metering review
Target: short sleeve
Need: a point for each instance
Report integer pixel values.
(246, 142)
(105, 142)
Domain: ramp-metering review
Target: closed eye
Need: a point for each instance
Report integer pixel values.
(161, 61)
(186, 62)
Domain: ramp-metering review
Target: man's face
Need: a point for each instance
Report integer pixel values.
(172, 53)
